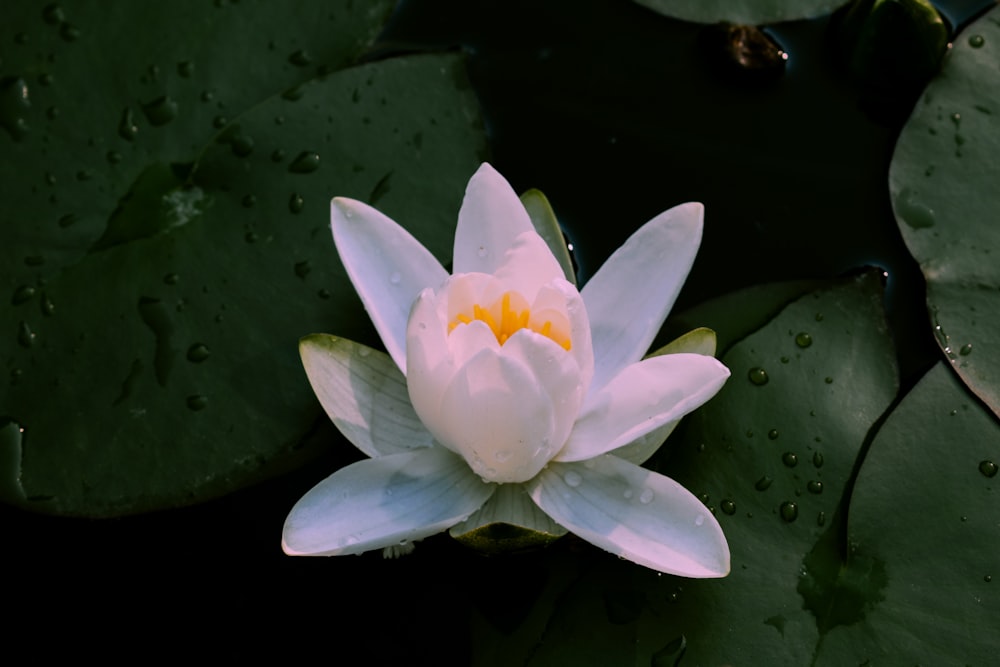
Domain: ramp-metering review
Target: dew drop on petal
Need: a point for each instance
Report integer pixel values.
(572, 478)
(646, 496)
(395, 278)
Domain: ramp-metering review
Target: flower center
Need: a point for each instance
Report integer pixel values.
(505, 320)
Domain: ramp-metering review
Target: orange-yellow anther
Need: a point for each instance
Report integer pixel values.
(504, 321)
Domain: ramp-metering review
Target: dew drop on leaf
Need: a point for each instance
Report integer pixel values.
(198, 353)
(304, 163)
(758, 376)
(789, 511)
(790, 459)
(803, 340)
(763, 483)
(728, 507)
(197, 402)
(988, 468)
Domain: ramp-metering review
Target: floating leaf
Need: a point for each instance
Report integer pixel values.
(173, 222)
(942, 181)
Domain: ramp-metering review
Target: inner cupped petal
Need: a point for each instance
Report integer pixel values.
(498, 416)
(528, 265)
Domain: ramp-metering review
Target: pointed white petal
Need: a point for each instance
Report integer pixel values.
(387, 266)
(630, 295)
(490, 219)
(697, 341)
(634, 513)
(364, 394)
(511, 505)
(643, 397)
(382, 502)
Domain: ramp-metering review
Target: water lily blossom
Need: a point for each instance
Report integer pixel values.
(506, 391)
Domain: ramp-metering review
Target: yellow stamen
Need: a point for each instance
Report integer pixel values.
(511, 321)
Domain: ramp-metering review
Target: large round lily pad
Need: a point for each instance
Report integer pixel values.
(167, 235)
(943, 182)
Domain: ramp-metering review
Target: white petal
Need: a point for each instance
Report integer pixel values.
(490, 219)
(630, 295)
(528, 265)
(496, 414)
(644, 396)
(382, 502)
(634, 513)
(511, 505)
(429, 366)
(364, 395)
(558, 376)
(387, 266)
(562, 296)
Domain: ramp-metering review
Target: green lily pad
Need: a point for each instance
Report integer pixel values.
(744, 12)
(924, 516)
(943, 185)
(163, 276)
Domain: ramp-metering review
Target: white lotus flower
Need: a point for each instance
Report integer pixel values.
(509, 394)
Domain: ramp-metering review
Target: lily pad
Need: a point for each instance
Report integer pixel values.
(923, 518)
(943, 185)
(745, 12)
(161, 278)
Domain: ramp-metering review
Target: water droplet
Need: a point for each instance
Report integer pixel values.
(987, 578)
(69, 32)
(790, 459)
(628, 494)
(185, 68)
(249, 201)
(219, 122)
(302, 269)
(965, 350)
(803, 339)
(758, 376)
(763, 483)
(815, 486)
(300, 58)
(160, 111)
(14, 103)
(304, 163)
(828, 380)
(912, 212)
(113, 157)
(324, 293)
(46, 306)
(250, 237)
(25, 336)
(277, 155)
(772, 434)
(699, 520)
(171, 279)
(198, 353)
(728, 507)
(241, 145)
(481, 252)
(988, 468)
(127, 129)
(572, 478)
(646, 496)
(821, 519)
(197, 402)
(84, 175)
(395, 278)
(23, 294)
(789, 511)
(501, 456)
(295, 203)
(817, 459)
(53, 14)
